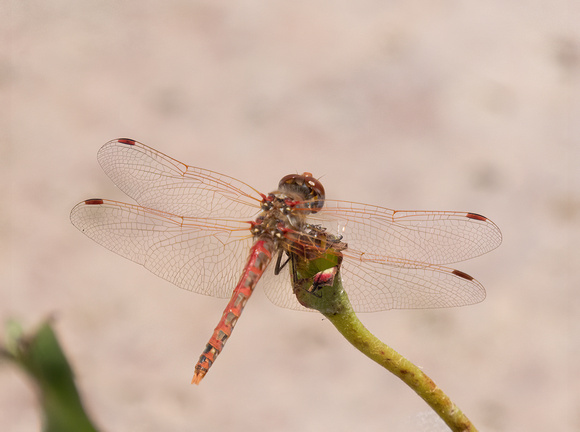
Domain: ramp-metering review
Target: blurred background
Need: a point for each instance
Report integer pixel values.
(418, 104)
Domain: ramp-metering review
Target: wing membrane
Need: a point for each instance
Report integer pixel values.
(430, 237)
(205, 256)
(380, 285)
(398, 284)
(158, 181)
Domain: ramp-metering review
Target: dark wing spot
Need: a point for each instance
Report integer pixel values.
(127, 141)
(462, 274)
(94, 201)
(476, 216)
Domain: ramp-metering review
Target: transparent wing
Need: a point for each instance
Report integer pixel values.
(398, 284)
(202, 255)
(378, 286)
(278, 287)
(158, 181)
(429, 237)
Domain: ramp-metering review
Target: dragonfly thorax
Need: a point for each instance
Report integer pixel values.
(280, 214)
(283, 220)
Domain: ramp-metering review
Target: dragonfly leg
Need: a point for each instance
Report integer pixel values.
(279, 266)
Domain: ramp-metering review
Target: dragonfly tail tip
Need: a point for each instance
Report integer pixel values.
(197, 377)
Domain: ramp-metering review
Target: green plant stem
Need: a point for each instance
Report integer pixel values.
(358, 335)
(332, 301)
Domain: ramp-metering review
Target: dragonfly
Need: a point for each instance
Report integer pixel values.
(215, 235)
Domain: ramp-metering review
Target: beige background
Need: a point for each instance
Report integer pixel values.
(442, 105)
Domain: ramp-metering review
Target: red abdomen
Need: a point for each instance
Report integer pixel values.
(260, 257)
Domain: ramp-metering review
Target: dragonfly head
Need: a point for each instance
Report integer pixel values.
(306, 187)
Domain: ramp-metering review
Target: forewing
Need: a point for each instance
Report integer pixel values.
(158, 181)
(202, 255)
(430, 237)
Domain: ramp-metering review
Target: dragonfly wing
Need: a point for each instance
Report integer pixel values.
(206, 256)
(158, 181)
(374, 286)
(399, 284)
(278, 287)
(432, 237)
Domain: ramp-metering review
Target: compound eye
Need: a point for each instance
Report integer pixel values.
(288, 180)
(317, 190)
(309, 188)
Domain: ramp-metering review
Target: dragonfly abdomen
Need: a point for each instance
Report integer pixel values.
(260, 257)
